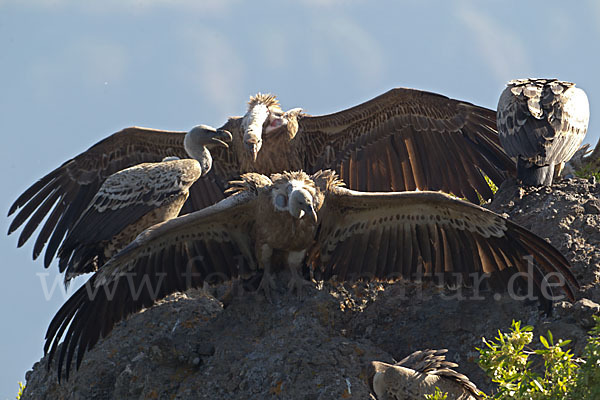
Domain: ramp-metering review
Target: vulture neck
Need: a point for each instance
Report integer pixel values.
(200, 153)
(278, 153)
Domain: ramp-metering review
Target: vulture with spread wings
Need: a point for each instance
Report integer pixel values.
(341, 234)
(401, 140)
(134, 199)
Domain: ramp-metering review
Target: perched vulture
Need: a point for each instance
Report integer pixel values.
(402, 140)
(541, 123)
(299, 218)
(419, 374)
(134, 199)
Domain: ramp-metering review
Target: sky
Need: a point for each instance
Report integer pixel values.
(73, 72)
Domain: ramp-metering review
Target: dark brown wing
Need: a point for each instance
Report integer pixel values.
(210, 245)
(64, 194)
(418, 235)
(408, 139)
(128, 202)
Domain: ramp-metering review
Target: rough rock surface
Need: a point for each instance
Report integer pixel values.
(189, 346)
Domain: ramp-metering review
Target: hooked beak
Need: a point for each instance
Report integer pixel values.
(312, 214)
(253, 145)
(220, 138)
(301, 204)
(309, 211)
(204, 135)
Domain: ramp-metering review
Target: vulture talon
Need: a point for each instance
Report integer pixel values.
(296, 284)
(267, 284)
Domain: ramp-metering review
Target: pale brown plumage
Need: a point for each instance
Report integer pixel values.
(404, 139)
(134, 199)
(542, 123)
(128, 202)
(344, 235)
(419, 374)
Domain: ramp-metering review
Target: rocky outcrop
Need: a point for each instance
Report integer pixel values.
(319, 346)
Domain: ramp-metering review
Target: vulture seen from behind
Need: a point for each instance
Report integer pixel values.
(542, 123)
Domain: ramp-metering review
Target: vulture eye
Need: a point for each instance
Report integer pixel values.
(276, 123)
(281, 200)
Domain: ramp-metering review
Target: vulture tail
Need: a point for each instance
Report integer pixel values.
(534, 175)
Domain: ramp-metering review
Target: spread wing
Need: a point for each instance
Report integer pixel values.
(211, 245)
(128, 202)
(408, 139)
(418, 235)
(65, 193)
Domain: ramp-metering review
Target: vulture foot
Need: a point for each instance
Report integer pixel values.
(267, 284)
(297, 282)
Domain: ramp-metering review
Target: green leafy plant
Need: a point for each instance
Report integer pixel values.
(512, 364)
(588, 379)
(491, 184)
(587, 171)
(438, 395)
(549, 372)
(21, 389)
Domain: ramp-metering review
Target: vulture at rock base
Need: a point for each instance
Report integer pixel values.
(419, 374)
(311, 220)
(402, 140)
(134, 199)
(541, 123)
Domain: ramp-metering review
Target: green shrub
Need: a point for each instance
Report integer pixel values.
(546, 373)
(588, 378)
(21, 388)
(587, 171)
(438, 395)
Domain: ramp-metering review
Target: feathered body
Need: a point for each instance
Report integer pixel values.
(542, 123)
(134, 199)
(419, 374)
(128, 202)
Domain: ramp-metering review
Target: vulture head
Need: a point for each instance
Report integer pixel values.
(265, 117)
(200, 139)
(295, 193)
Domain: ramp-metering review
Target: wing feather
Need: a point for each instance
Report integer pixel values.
(409, 121)
(439, 238)
(128, 202)
(142, 273)
(71, 187)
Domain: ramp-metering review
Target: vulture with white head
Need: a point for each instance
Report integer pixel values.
(134, 199)
(402, 140)
(311, 220)
(542, 123)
